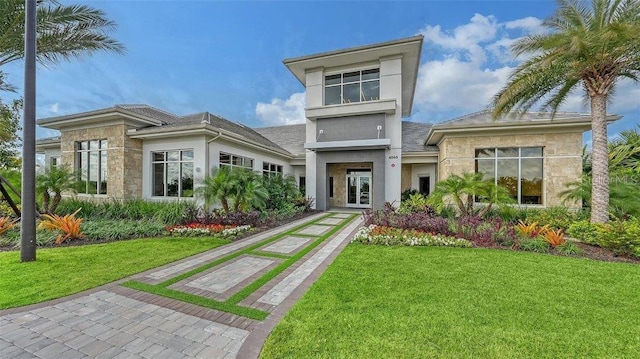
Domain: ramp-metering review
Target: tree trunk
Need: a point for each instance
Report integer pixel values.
(45, 201)
(56, 201)
(599, 160)
(225, 205)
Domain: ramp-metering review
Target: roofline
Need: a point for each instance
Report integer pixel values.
(566, 122)
(352, 49)
(77, 117)
(204, 128)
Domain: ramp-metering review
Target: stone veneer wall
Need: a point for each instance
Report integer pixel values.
(562, 158)
(124, 158)
(405, 178)
(339, 173)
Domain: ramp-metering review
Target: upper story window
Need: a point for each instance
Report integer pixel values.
(227, 159)
(518, 169)
(355, 86)
(91, 166)
(271, 169)
(172, 173)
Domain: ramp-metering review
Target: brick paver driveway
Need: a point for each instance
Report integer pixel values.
(243, 289)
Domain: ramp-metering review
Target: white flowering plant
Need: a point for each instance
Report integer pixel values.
(390, 236)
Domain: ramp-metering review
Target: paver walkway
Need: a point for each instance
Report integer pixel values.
(243, 289)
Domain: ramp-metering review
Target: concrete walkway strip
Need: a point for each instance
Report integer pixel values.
(117, 322)
(280, 291)
(184, 266)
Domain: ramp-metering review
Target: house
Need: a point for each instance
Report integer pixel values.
(354, 150)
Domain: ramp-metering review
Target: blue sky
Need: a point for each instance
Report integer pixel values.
(226, 57)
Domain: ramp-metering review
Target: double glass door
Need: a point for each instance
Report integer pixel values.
(359, 189)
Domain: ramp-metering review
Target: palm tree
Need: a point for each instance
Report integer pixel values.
(55, 180)
(462, 189)
(64, 32)
(218, 187)
(587, 46)
(624, 152)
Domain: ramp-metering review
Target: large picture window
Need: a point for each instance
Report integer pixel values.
(91, 166)
(172, 173)
(271, 169)
(227, 159)
(518, 169)
(356, 86)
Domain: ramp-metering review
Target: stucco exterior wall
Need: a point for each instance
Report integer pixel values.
(562, 161)
(124, 158)
(195, 143)
(221, 145)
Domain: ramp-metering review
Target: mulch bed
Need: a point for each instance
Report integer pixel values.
(84, 242)
(603, 254)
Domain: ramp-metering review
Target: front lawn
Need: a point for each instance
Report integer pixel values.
(411, 302)
(63, 271)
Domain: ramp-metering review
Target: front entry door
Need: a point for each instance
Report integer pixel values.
(359, 189)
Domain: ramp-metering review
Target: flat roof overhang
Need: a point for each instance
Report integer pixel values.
(436, 133)
(409, 49)
(383, 143)
(97, 117)
(200, 129)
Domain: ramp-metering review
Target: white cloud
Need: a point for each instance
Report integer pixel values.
(531, 25)
(282, 112)
(54, 108)
(456, 85)
(465, 38)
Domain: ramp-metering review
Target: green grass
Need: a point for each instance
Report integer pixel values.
(58, 272)
(408, 302)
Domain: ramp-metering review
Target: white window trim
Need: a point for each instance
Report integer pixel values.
(164, 172)
(342, 83)
(232, 165)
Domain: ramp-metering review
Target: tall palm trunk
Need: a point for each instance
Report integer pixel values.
(600, 160)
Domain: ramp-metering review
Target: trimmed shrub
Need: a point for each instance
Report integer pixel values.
(122, 229)
(425, 221)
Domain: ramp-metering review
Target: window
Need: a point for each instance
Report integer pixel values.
(54, 161)
(227, 159)
(271, 169)
(331, 187)
(519, 170)
(356, 86)
(91, 166)
(302, 185)
(172, 173)
(424, 185)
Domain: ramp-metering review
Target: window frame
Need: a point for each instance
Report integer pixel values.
(79, 164)
(273, 169)
(342, 84)
(518, 157)
(165, 162)
(233, 157)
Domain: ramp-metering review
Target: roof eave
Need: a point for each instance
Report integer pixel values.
(200, 128)
(497, 126)
(64, 121)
